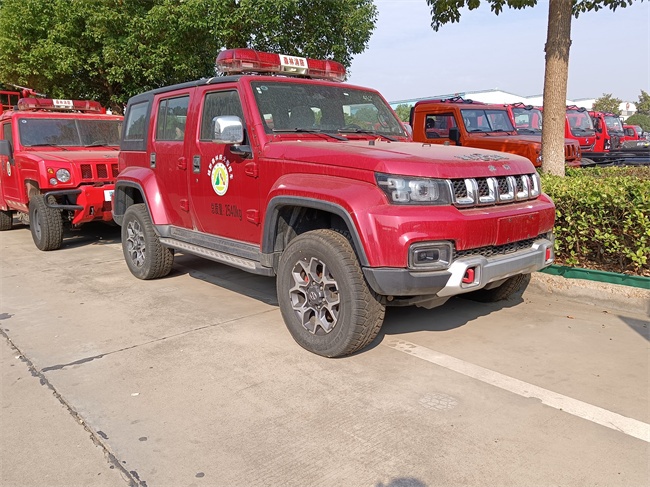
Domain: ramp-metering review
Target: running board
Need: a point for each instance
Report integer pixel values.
(231, 260)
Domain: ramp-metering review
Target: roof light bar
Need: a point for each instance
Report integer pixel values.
(236, 61)
(85, 106)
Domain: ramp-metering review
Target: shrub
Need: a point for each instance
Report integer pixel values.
(602, 218)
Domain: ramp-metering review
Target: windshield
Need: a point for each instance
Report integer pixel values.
(307, 107)
(69, 132)
(580, 123)
(613, 123)
(487, 120)
(527, 120)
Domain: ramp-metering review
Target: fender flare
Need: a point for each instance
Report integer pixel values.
(273, 212)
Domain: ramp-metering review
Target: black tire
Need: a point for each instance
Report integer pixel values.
(332, 312)
(45, 224)
(145, 256)
(6, 220)
(499, 293)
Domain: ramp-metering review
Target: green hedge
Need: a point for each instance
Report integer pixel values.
(602, 218)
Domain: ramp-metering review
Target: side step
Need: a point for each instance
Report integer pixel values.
(228, 259)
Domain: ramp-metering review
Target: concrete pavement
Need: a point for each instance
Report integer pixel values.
(193, 380)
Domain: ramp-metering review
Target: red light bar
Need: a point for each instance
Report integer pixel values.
(63, 105)
(235, 61)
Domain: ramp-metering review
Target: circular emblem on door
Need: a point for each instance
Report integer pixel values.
(220, 178)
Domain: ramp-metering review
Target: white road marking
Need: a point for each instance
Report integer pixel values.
(595, 414)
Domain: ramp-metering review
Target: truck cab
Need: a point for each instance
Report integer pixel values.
(59, 162)
(280, 169)
(609, 131)
(526, 119)
(469, 123)
(580, 127)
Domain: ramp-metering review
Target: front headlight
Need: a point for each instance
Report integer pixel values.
(63, 175)
(407, 190)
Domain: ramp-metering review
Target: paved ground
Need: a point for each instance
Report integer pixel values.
(193, 380)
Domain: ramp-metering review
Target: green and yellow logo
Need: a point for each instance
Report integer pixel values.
(220, 174)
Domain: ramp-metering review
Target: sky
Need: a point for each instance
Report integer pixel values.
(405, 59)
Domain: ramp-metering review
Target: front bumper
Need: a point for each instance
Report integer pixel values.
(456, 279)
(91, 202)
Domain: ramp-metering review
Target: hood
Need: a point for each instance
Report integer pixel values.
(404, 158)
(73, 156)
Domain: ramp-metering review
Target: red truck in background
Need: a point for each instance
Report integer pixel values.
(579, 126)
(527, 119)
(609, 131)
(59, 162)
(279, 169)
(635, 137)
(469, 123)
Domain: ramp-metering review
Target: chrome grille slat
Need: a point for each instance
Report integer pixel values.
(473, 192)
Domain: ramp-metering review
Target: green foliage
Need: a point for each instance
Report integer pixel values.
(643, 105)
(403, 112)
(641, 120)
(448, 11)
(109, 50)
(607, 103)
(602, 218)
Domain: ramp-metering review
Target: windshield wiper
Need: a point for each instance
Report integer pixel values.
(48, 145)
(97, 143)
(529, 131)
(368, 132)
(309, 131)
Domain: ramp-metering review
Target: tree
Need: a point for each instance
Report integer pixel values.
(109, 50)
(643, 105)
(607, 103)
(557, 48)
(640, 119)
(403, 112)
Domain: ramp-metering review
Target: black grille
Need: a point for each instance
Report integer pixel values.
(493, 250)
(460, 190)
(102, 173)
(86, 171)
(503, 185)
(115, 170)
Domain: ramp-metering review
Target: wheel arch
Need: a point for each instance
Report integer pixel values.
(127, 193)
(289, 216)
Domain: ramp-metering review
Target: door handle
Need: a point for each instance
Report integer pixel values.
(182, 163)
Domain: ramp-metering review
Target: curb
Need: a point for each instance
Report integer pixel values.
(601, 294)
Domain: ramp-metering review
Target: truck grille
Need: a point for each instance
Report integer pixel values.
(570, 152)
(93, 172)
(495, 190)
(494, 250)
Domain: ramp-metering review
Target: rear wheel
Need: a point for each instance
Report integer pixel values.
(45, 224)
(324, 298)
(145, 256)
(6, 220)
(499, 293)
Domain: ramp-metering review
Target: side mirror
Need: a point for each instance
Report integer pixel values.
(6, 150)
(454, 135)
(227, 130)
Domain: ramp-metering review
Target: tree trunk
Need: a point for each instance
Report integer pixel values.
(558, 43)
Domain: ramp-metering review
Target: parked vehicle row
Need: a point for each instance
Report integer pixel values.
(280, 169)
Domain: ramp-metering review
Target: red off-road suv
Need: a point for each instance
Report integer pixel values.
(59, 161)
(314, 181)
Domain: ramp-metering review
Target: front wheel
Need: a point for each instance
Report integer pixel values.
(145, 256)
(45, 224)
(324, 298)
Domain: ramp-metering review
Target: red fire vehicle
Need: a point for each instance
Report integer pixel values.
(526, 119)
(579, 126)
(474, 124)
(286, 176)
(59, 162)
(609, 131)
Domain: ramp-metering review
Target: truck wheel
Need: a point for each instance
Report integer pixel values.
(146, 257)
(6, 220)
(499, 293)
(324, 298)
(45, 223)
